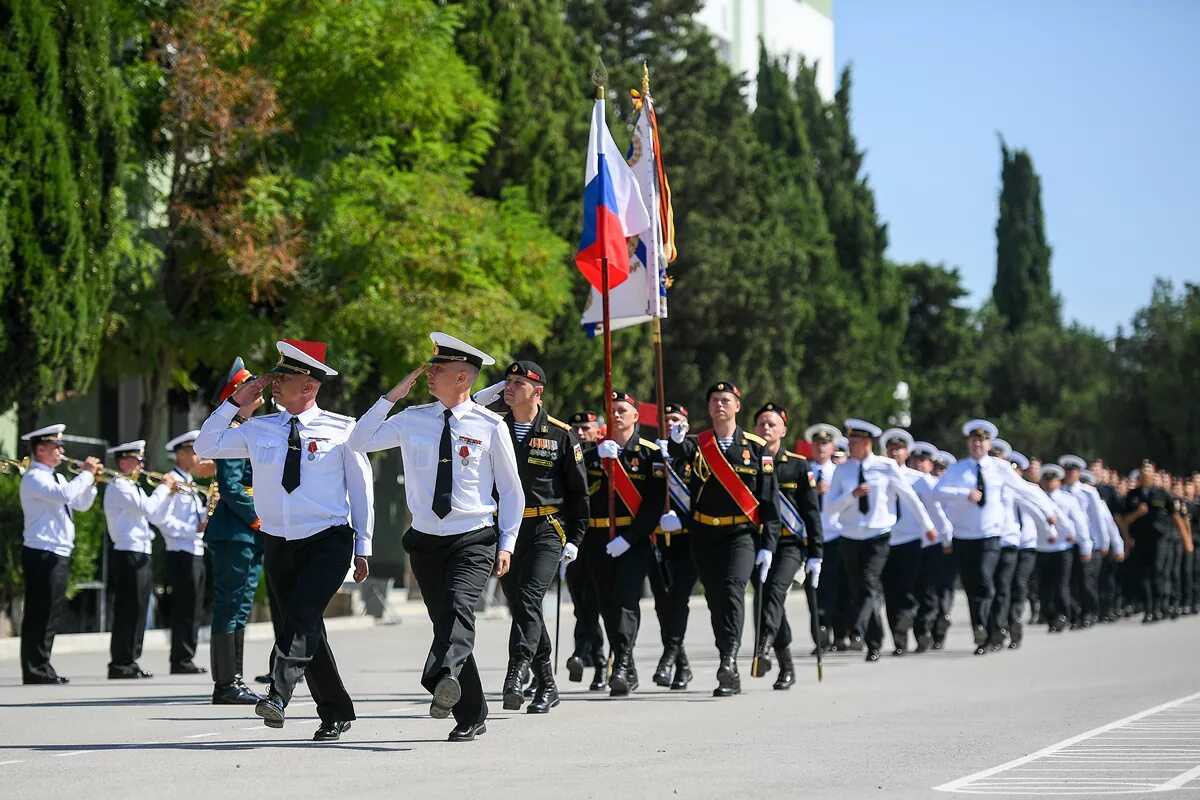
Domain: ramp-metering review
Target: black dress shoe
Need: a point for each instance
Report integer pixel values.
(980, 650)
(575, 669)
(981, 635)
(330, 731)
(445, 695)
(938, 644)
(263, 678)
(127, 673)
(872, 655)
(187, 669)
(467, 732)
(234, 694)
(839, 646)
(1014, 645)
(60, 679)
(683, 675)
(599, 680)
(924, 642)
(270, 708)
(995, 647)
(34, 680)
(856, 644)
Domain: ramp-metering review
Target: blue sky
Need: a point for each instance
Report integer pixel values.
(1104, 95)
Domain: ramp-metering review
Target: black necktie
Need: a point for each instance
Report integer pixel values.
(979, 485)
(863, 503)
(820, 497)
(291, 462)
(897, 509)
(443, 486)
(61, 481)
(1020, 520)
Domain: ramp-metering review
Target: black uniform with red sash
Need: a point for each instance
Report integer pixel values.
(640, 480)
(734, 513)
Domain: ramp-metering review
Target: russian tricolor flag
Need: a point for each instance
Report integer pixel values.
(613, 209)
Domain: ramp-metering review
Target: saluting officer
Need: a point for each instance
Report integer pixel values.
(456, 454)
(671, 599)
(800, 544)
(619, 565)
(734, 523)
(315, 498)
(127, 510)
(588, 633)
(550, 463)
(235, 543)
(48, 501)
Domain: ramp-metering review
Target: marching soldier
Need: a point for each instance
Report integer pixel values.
(946, 591)
(1103, 531)
(734, 523)
(550, 464)
(588, 634)
(1055, 549)
(1031, 519)
(314, 496)
(181, 521)
(671, 600)
(832, 629)
(1151, 520)
(127, 510)
(456, 454)
(235, 543)
(799, 544)
(48, 501)
(930, 576)
(865, 491)
(619, 565)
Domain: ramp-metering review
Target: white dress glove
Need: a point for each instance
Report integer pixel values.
(679, 431)
(488, 395)
(618, 547)
(763, 560)
(570, 553)
(813, 568)
(609, 449)
(670, 522)
(662, 445)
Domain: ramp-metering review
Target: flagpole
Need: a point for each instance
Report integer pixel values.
(660, 385)
(599, 77)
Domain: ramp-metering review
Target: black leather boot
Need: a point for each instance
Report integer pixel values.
(547, 691)
(620, 682)
(666, 664)
(761, 664)
(513, 695)
(239, 652)
(787, 670)
(683, 671)
(729, 682)
(600, 676)
(227, 687)
(575, 665)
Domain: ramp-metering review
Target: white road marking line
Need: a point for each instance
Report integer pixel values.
(17, 761)
(68, 755)
(958, 784)
(253, 728)
(201, 735)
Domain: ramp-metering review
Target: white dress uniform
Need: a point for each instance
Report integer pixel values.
(48, 500)
(178, 520)
(1055, 555)
(1085, 577)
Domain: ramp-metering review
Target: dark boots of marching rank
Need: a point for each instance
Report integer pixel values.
(47, 502)
(619, 565)
(907, 545)
(675, 578)
(588, 634)
(974, 497)
(550, 464)
(866, 492)
(181, 521)
(1031, 520)
(1056, 550)
(127, 510)
(829, 625)
(314, 495)
(934, 554)
(734, 522)
(800, 546)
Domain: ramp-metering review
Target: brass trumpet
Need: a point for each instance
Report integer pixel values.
(10, 466)
(107, 475)
(185, 487)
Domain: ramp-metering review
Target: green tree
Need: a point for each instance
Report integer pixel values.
(1022, 292)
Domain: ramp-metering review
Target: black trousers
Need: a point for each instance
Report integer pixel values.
(1187, 578)
(789, 559)
(832, 596)
(45, 595)
(618, 584)
(534, 565)
(1002, 578)
(977, 568)
(1174, 569)
(900, 576)
(725, 560)
(863, 563)
(1085, 596)
(304, 575)
(1019, 591)
(131, 587)
(1109, 587)
(589, 636)
(185, 574)
(1054, 585)
(451, 572)
(671, 603)
(946, 594)
(1151, 557)
(929, 589)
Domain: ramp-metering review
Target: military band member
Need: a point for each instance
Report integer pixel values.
(235, 544)
(456, 454)
(315, 497)
(48, 501)
(181, 521)
(1055, 550)
(734, 523)
(619, 565)
(866, 491)
(588, 634)
(800, 544)
(671, 600)
(550, 463)
(127, 510)
(832, 627)
(934, 554)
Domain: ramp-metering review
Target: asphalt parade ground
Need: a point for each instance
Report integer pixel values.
(1110, 711)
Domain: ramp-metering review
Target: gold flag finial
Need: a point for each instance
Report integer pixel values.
(599, 78)
(645, 80)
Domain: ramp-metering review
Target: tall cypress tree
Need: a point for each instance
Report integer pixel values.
(1022, 291)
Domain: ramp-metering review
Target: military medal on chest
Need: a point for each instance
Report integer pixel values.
(312, 451)
(464, 452)
(633, 464)
(746, 457)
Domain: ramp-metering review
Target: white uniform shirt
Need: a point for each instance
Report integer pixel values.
(127, 509)
(1032, 521)
(1071, 528)
(908, 528)
(335, 482)
(831, 527)
(888, 486)
(924, 489)
(47, 500)
(490, 461)
(971, 520)
(1095, 510)
(179, 518)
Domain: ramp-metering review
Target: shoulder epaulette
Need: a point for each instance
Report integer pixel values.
(489, 414)
(754, 437)
(790, 454)
(423, 405)
(646, 443)
(338, 416)
(559, 423)
(264, 416)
